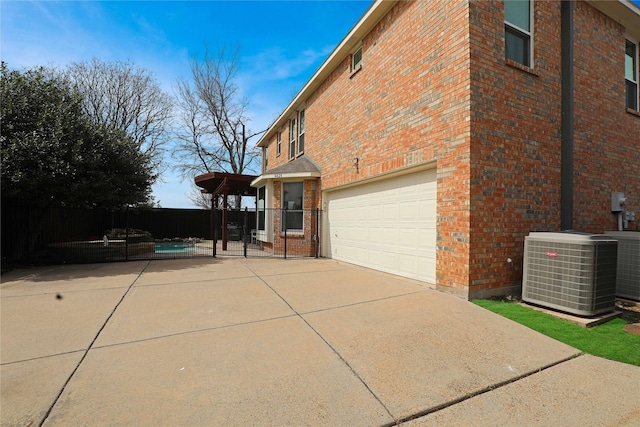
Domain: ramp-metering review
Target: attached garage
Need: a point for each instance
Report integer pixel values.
(387, 225)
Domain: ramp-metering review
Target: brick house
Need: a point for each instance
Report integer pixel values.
(438, 134)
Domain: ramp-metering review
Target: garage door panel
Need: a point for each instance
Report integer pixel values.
(388, 225)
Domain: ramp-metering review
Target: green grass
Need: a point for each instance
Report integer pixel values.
(608, 340)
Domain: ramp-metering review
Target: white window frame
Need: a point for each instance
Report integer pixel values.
(265, 159)
(261, 208)
(292, 137)
(279, 143)
(635, 72)
(293, 211)
(522, 31)
(356, 65)
(301, 116)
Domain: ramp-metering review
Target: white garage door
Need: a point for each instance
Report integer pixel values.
(388, 225)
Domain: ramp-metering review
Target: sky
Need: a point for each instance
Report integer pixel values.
(281, 45)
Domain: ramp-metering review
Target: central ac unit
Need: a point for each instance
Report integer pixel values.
(571, 272)
(628, 282)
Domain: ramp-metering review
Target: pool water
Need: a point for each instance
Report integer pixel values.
(174, 247)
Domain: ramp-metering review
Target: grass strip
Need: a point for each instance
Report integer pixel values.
(608, 340)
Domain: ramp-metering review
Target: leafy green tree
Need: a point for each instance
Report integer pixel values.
(54, 155)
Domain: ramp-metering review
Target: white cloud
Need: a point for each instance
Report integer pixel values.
(275, 64)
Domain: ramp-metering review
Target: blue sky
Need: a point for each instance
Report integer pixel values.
(282, 44)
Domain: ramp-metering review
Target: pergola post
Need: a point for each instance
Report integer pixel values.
(216, 183)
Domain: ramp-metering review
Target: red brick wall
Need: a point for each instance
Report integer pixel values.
(407, 106)
(515, 144)
(516, 137)
(435, 86)
(607, 137)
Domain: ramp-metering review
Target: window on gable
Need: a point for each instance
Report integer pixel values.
(631, 74)
(292, 138)
(279, 143)
(292, 205)
(356, 59)
(301, 131)
(518, 35)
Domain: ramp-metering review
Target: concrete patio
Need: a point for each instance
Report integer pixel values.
(234, 341)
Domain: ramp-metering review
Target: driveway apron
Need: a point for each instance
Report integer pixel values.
(273, 342)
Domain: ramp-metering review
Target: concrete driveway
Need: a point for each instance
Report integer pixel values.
(228, 341)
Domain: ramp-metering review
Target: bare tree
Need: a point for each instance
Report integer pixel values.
(122, 96)
(212, 117)
(199, 199)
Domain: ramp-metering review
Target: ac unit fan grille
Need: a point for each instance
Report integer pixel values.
(574, 277)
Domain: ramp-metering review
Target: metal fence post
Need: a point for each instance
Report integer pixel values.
(126, 237)
(317, 235)
(244, 230)
(214, 223)
(284, 221)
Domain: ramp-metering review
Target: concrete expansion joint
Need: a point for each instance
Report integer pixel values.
(195, 331)
(104, 324)
(333, 349)
(190, 282)
(479, 392)
(41, 357)
(360, 303)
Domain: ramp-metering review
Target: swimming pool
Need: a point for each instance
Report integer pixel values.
(174, 247)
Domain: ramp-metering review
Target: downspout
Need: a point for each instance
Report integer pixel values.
(567, 126)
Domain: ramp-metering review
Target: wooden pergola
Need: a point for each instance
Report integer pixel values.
(225, 184)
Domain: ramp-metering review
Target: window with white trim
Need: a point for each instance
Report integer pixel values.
(292, 138)
(261, 208)
(292, 194)
(356, 59)
(631, 74)
(518, 31)
(265, 157)
(279, 143)
(301, 131)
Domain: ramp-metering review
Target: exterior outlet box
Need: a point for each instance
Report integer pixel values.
(630, 216)
(617, 202)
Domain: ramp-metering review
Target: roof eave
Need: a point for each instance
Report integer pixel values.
(262, 179)
(623, 12)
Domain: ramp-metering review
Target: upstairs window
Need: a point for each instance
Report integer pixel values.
(279, 143)
(301, 131)
(356, 59)
(518, 36)
(292, 138)
(631, 74)
(265, 156)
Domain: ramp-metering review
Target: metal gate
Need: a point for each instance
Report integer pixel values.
(39, 235)
(267, 233)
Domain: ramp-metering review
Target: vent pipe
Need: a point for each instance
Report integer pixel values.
(566, 180)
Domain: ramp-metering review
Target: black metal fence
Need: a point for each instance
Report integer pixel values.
(33, 234)
(270, 233)
(36, 235)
